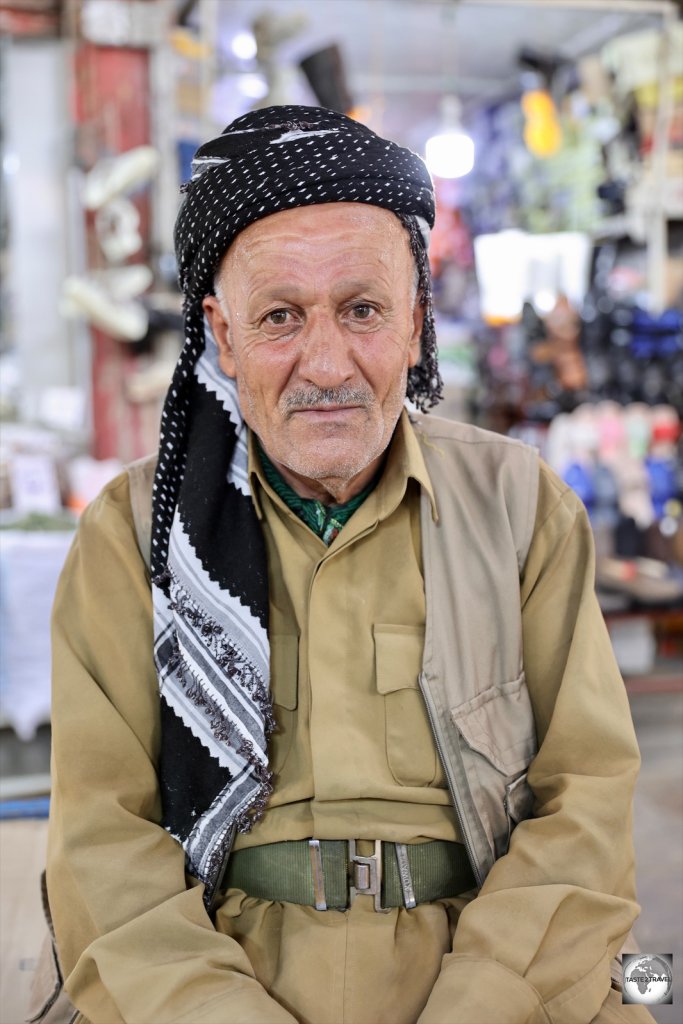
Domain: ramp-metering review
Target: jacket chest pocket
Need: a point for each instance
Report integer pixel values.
(500, 736)
(284, 680)
(411, 750)
(499, 724)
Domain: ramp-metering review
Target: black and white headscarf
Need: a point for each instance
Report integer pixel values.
(210, 585)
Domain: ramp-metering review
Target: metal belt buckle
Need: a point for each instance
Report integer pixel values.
(405, 875)
(365, 875)
(318, 874)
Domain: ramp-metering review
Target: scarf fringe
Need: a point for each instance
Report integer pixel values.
(223, 730)
(234, 664)
(226, 654)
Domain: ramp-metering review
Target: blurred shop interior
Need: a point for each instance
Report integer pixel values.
(554, 133)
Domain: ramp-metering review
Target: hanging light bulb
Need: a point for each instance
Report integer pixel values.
(450, 154)
(243, 45)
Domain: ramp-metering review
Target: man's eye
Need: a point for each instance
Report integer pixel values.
(362, 311)
(278, 317)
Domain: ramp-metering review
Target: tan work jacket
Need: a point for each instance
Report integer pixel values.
(505, 691)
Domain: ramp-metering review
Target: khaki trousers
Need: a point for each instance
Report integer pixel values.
(358, 966)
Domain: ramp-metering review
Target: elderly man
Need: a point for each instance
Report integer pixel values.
(355, 748)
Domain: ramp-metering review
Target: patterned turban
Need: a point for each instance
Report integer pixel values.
(282, 157)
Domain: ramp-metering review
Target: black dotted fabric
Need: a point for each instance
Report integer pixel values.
(324, 157)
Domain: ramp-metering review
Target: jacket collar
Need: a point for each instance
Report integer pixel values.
(404, 461)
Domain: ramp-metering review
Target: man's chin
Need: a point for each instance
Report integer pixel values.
(326, 460)
(320, 470)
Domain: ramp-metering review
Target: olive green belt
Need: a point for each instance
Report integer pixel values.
(328, 874)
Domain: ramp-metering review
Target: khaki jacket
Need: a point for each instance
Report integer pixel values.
(522, 715)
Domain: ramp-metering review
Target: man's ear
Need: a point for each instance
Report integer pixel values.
(414, 348)
(221, 332)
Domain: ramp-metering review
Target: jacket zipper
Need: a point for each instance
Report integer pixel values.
(445, 764)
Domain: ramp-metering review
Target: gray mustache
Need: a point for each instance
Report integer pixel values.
(305, 398)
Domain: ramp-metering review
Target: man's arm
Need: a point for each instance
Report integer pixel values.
(537, 942)
(135, 941)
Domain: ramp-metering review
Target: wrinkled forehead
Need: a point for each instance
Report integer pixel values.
(345, 232)
(350, 222)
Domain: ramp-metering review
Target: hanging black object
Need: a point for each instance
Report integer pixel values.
(542, 63)
(324, 70)
(185, 13)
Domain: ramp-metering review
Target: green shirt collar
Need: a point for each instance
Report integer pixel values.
(404, 460)
(324, 520)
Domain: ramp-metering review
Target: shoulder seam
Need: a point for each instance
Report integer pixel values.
(563, 492)
(111, 487)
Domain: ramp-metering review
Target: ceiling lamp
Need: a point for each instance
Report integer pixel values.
(253, 86)
(243, 45)
(450, 154)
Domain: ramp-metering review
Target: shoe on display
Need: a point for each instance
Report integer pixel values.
(116, 226)
(646, 580)
(611, 432)
(116, 176)
(125, 321)
(579, 477)
(126, 282)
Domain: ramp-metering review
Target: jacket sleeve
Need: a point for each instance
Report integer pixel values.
(135, 941)
(537, 942)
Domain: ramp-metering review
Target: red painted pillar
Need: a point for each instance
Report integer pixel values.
(111, 95)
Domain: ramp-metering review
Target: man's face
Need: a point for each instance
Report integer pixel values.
(318, 321)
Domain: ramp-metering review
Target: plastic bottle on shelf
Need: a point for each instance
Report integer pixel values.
(661, 461)
(579, 473)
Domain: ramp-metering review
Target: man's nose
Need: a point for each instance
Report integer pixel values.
(326, 356)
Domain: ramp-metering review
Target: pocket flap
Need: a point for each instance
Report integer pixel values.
(519, 799)
(499, 724)
(284, 669)
(398, 656)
